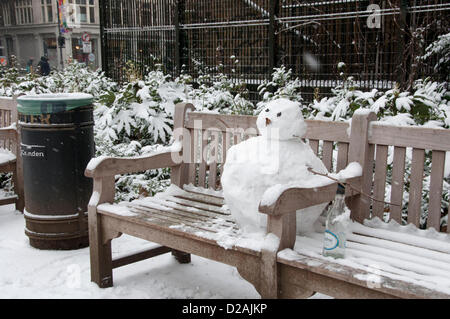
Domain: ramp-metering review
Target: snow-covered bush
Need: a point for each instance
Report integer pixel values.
(140, 113)
(10, 77)
(440, 51)
(76, 77)
(217, 92)
(280, 86)
(428, 105)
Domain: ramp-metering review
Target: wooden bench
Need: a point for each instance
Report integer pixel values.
(190, 217)
(10, 148)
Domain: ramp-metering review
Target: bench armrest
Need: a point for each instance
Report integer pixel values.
(295, 198)
(111, 166)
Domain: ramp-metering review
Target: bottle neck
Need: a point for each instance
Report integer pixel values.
(339, 202)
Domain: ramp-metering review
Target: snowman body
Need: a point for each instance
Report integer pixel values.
(277, 156)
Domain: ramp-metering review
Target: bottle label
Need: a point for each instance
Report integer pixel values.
(331, 241)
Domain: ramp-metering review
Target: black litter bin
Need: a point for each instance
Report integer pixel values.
(57, 143)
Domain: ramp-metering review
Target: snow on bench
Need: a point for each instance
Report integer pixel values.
(379, 253)
(6, 156)
(382, 255)
(196, 211)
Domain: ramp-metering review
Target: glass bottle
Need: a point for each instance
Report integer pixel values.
(336, 226)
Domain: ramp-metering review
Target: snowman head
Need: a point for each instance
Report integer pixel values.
(281, 119)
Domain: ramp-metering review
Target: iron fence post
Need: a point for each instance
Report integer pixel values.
(401, 64)
(273, 12)
(103, 42)
(178, 12)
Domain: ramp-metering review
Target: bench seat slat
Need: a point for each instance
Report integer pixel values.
(401, 263)
(178, 214)
(412, 274)
(166, 223)
(203, 191)
(221, 230)
(195, 204)
(190, 212)
(431, 255)
(202, 199)
(389, 259)
(357, 276)
(176, 220)
(404, 238)
(193, 210)
(157, 203)
(414, 261)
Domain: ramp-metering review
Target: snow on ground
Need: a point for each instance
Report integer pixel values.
(26, 272)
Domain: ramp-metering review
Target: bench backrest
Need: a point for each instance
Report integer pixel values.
(337, 144)
(8, 116)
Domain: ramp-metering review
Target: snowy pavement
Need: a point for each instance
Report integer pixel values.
(26, 272)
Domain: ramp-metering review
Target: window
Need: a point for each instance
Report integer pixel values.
(84, 10)
(2, 14)
(47, 11)
(24, 12)
(9, 17)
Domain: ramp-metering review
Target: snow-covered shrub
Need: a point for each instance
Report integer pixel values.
(132, 186)
(440, 50)
(343, 102)
(280, 86)
(76, 77)
(6, 186)
(140, 114)
(10, 77)
(217, 92)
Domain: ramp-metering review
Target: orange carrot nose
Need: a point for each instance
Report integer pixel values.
(268, 121)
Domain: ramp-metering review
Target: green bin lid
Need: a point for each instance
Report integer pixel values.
(52, 103)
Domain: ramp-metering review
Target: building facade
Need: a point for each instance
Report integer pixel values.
(30, 29)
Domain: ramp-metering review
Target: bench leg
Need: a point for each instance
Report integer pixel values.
(100, 252)
(269, 288)
(181, 257)
(101, 264)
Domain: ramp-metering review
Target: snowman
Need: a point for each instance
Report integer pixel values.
(277, 156)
